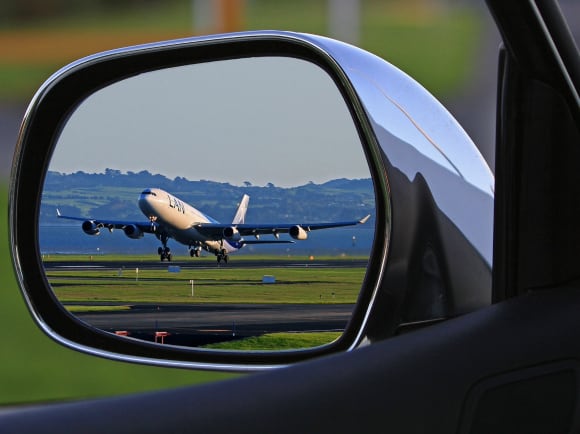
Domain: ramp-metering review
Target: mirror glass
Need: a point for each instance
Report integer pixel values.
(224, 205)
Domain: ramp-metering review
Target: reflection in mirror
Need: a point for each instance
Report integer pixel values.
(265, 146)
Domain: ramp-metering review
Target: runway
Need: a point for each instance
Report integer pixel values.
(103, 264)
(196, 324)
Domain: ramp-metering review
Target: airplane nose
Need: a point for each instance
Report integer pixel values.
(146, 201)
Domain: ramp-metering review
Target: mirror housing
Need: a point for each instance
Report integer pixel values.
(431, 257)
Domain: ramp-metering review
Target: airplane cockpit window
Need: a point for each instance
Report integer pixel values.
(196, 209)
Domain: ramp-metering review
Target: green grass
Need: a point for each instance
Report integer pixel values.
(221, 285)
(437, 53)
(278, 341)
(36, 369)
(20, 81)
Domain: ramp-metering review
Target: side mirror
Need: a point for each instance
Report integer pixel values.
(342, 142)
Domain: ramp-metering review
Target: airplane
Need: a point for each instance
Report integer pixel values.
(170, 217)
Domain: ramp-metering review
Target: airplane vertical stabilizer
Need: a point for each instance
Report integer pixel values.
(242, 209)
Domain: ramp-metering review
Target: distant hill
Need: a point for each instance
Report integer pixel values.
(114, 194)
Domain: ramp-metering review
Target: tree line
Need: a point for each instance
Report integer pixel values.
(113, 194)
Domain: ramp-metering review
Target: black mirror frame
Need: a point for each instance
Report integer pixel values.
(48, 113)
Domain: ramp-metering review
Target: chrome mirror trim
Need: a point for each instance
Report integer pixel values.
(408, 136)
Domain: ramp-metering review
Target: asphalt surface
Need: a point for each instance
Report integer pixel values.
(104, 264)
(195, 325)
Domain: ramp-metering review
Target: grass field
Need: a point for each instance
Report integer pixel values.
(434, 44)
(36, 369)
(278, 341)
(114, 289)
(298, 286)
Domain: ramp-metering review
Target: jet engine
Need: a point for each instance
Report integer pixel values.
(133, 232)
(90, 228)
(298, 233)
(231, 233)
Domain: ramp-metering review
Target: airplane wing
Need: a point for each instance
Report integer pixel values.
(94, 224)
(296, 230)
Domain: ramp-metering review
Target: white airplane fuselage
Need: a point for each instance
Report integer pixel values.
(178, 220)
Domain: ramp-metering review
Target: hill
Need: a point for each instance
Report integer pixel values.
(114, 194)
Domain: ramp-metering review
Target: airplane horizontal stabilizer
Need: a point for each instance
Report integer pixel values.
(266, 242)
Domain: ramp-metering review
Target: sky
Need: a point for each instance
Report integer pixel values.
(260, 120)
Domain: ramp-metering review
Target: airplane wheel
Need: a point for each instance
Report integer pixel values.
(191, 253)
(219, 259)
(169, 257)
(160, 251)
(226, 259)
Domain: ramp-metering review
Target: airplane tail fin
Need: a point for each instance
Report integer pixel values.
(242, 209)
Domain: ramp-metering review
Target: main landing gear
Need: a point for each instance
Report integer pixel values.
(195, 252)
(164, 252)
(222, 255)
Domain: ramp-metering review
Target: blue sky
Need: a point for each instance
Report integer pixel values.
(279, 120)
